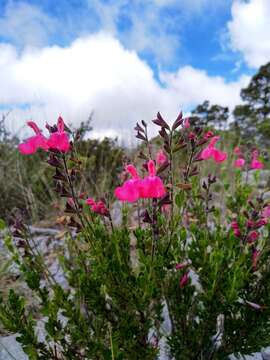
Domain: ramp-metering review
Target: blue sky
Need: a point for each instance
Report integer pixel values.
(193, 30)
(173, 46)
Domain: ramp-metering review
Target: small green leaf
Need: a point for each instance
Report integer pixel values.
(2, 225)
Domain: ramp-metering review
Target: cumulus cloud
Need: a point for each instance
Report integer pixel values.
(96, 73)
(140, 26)
(193, 86)
(249, 30)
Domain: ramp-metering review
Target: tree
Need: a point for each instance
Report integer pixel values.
(253, 117)
(206, 115)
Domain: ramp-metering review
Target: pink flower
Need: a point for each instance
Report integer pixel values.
(59, 140)
(191, 135)
(255, 153)
(255, 257)
(208, 135)
(237, 151)
(250, 224)
(97, 207)
(236, 229)
(260, 223)
(180, 266)
(256, 164)
(32, 144)
(211, 152)
(186, 123)
(239, 163)
(184, 280)
(252, 236)
(90, 202)
(137, 188)
(219, 156)
(151, 186)
(161, 158)
(166, 208)
(130, 190)
(266, 212)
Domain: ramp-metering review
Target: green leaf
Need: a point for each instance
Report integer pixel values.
(2, 224)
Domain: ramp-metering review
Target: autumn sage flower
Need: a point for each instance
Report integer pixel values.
(252, 236)
(266, 212)
(151, 186)
(97, 207)
(239, 163)
(129, 191)
(209, 134)
(161, 158)
(58, 139)
(184, 280)
(212, 152)
(32, 144)
(255, 163)
(136, 188)
(255, 257)
(186, 123)
(236, 229)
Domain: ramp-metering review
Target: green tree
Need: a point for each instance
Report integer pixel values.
(210, 115)
(252, 119)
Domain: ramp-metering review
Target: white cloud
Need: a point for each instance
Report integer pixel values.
(97, 73)
(191, 5)
(146, 26)
(25, 24)
(249, 30)
(193, 86)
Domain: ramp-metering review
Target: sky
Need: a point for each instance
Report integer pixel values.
(124, 60)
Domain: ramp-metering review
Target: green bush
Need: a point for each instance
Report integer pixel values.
(202, 248)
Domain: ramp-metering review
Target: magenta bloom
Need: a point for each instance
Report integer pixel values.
(208, 135)
(32, 144)
(266, 212)
(236, 229)
(255, 257)
(129, 191)
(186, 123)
(59, 140)
(180, 266)
(97, 207)
(211, 152)
(256, 164)
(239, 163)
(184, 280)
(250, 224)
(151, 186)
(253, 236)
(161, 158)
(137, 188)
(237, 151)
(260, 223)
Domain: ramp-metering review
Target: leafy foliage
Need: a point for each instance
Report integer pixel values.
(178, 251)
(252, 118)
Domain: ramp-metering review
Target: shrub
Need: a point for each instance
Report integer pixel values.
(198, 246)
